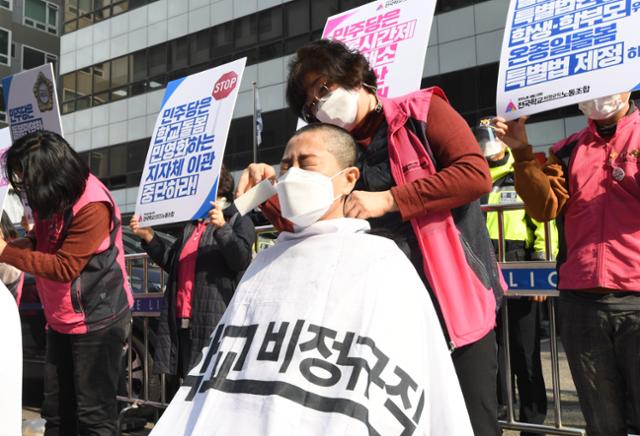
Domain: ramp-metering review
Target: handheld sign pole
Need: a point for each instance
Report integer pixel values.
(180, 176)
(255, 120)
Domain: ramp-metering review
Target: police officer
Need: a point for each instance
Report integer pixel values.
(524, 241)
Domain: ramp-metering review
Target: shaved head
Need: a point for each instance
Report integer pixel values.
(339, 142)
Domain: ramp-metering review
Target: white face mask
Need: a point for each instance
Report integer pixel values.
(603, 107)
(305, 196)
(339, 107)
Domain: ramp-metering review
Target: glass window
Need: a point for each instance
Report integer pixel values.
(270, 24)
(118, 160)
(119, 94)
(270, 51)
(320, 11)
(69, 87)
(71, 26)
(222, 39)
(297, 17)
(293, 44)
(179, 53)
(102, 14)
(84, 80)
(158, 59)
(120, 72)
(99, 163)
(84, 6)
(200, 43)
(5, 46)
(70, 10)
(136, 155)
(137, 3)
(41, 15)
(32, 58)
(345, 5)
(119, 8)
(246, 31)
(100, 98)
(138, 66)
(5, 4)
(101, 75)
(3, 110)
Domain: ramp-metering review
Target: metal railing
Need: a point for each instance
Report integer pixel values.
(147, 305)
(510, 423)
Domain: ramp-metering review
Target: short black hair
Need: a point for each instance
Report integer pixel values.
(340, 143)
(226, 184)
(43, 167)
(343, 66)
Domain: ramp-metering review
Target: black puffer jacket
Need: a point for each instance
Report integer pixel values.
(223, 255)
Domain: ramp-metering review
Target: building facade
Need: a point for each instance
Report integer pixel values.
(30, 33)
(117, 56)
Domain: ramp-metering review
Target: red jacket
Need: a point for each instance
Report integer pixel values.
(602, 215)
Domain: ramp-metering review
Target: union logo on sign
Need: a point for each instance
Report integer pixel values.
(225, 84)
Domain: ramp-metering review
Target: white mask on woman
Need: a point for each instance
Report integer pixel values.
(305, 196)
(339, 107)
(603, 107)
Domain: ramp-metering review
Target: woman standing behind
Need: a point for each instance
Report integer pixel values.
(76, 254)
(422, 175)
(204, 266)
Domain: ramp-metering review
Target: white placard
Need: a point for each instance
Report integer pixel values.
(558, 53)
(393, 35)
(10, 365)
(180, 176)
(32, 102)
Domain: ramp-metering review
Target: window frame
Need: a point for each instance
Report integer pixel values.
(10, 8)
(9, 41)
(46, 55)
(34, 23)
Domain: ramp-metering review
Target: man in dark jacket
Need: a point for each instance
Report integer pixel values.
(204, 264)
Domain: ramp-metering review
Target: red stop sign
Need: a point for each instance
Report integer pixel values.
(225, 84)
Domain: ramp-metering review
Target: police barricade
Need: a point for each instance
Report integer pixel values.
(525, 279)
(530, 279)
(149, 279)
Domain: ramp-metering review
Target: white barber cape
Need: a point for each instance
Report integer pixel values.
(330, 332)
(10, 365)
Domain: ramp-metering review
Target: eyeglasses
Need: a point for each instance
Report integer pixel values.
(309, 109)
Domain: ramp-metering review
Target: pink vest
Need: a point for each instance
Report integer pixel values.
(467, 305)
(101, 292)
(602, 216)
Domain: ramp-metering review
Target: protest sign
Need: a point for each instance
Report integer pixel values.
(393, 35)
(180, 176)
(32, 102)
(558, 52)
(5, 143)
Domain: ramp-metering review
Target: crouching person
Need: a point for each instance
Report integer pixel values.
(329, 331)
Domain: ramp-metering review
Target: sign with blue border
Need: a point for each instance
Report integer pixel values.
(561, 52)
(180, 176)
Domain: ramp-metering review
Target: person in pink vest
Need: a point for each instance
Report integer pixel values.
(422, 175)
(591, 185)
(75, 252)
